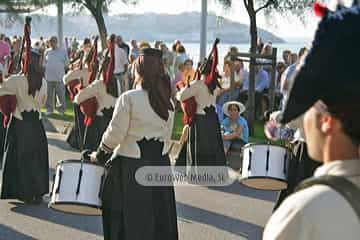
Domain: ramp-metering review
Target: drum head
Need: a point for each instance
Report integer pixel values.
(264, 183)
(79, 162)
(270, 145)
(76, 208)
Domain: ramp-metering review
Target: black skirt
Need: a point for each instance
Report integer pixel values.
(135, 212)
(95, 131)
(204, 145)
(77, 132)
(26, 162)
(301, 167)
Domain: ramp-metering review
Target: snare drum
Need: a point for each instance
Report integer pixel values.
(265, 166)
(77, 187)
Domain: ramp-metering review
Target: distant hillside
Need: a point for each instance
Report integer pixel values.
(150, 26)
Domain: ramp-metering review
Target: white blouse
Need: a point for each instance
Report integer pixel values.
(82, 75)
(96, 89)
(133, 120)
(200, 92)
(18, 85)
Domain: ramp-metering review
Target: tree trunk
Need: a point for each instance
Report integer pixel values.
(251, 96)
(99, 18)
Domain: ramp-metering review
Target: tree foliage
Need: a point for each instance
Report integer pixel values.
(95, 7)
(253, 7)
(295, 7)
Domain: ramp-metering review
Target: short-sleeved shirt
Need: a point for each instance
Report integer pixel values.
(55, 62)
(228, 128)
(121, 60)
(262, 81)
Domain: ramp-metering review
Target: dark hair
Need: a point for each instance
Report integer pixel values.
(227, 62)
(349, 116)
(35, 74)
(157, 83)
(180, 49)
(86, 41)
(302, 51)
(188, 61)
(233, 105)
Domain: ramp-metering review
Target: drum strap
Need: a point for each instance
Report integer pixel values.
(340, 184)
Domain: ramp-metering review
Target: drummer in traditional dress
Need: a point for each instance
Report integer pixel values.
(137, 136)
(76, 79)
(204, 145)
(98, 99)
(26, 166)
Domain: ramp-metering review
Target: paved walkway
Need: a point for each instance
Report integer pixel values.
(204, 213)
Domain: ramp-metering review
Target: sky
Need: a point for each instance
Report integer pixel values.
(281, 26)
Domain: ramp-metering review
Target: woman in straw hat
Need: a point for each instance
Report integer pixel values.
(235, 127)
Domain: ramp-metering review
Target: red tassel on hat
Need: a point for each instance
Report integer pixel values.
(320, 9)
(89, 107)
(73, 88)
(94, 61)
(111, 66)
(27, 30)
(213, 72)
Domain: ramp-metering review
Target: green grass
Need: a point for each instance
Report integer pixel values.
(178, 125)
(69, 112)
(258, 136)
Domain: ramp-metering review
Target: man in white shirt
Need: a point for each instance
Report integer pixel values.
(56, 60)
(121, 64)
(327, 90)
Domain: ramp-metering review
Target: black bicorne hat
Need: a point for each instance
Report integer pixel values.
(151, 52)
(330, 71)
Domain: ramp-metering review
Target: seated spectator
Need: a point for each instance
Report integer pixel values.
(240, 73)
(235, 127)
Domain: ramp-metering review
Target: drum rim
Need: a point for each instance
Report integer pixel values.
(258, 177)
(79, 161)
(51, 204)
(264, 143)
